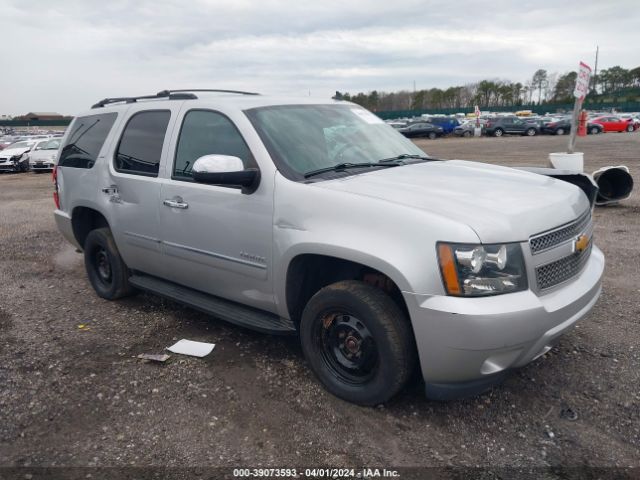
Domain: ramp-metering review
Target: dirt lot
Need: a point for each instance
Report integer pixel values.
(77, 397)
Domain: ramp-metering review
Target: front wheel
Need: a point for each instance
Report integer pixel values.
(432, 135)
(358, 342)
(530, 132)
(106, 270)
(595, 130)
(560, 131)
(466, 134)
(630, 128)
(498, 132)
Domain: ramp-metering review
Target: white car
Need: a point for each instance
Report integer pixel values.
(15, 157)
(43, 155)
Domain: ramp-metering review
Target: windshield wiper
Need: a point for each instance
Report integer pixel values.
(345, 166)
(405, 156)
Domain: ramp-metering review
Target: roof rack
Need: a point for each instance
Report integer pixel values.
(239, 92)
(185, 94)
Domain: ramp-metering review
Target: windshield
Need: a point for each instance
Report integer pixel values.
(51, 144)
(304, 138)
(20, 145)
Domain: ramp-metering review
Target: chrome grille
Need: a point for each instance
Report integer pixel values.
(545, 241)
(554, 273)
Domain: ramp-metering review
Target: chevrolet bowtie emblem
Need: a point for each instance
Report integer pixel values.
(581, 243)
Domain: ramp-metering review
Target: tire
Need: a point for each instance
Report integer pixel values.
(530, 132)
(629, 128)
(498, 132)
(594, 130)
(466, 134)
(358, 343)
(107, 272)
(432, 135)
(560, 131)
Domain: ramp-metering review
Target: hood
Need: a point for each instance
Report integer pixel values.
(10, 152)
(500, 204)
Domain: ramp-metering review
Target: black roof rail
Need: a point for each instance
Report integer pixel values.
(162, 94)
(183, 94)
(239, 92)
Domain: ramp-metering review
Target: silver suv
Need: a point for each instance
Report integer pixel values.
(291, 215)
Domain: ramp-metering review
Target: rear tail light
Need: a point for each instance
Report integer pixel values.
(56, 197)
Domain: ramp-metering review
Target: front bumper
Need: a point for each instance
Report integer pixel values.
(41, 166)
(474, 341)
(9, 167)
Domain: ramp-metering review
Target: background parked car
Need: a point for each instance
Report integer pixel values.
(466, 128)
(448, 124)
(498, 126)
(562, 126)
(43, 155)
(611, 123)
(422, 129)
(13, 158)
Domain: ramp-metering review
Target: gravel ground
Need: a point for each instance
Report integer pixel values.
(73, 396)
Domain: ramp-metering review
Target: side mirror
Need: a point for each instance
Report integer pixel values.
(225, 170)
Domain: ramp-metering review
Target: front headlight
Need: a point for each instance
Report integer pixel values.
(481, 270)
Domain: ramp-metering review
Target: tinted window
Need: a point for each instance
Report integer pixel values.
(205, 133)
(83, 144)
(141, 143)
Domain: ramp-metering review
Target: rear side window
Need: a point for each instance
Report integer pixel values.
(85, 140)
(140, 146)
(205, 133)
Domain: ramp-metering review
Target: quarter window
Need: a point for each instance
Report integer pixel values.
(141, 143)
(206, 133)
(85, 140)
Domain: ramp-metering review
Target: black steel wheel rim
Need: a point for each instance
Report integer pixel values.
(347, 347)
(102, 265)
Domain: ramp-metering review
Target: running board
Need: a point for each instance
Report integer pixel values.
(226, 310)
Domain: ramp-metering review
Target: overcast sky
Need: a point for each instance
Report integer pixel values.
(65, 55)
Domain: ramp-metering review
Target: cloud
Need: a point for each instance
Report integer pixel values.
(65, 55)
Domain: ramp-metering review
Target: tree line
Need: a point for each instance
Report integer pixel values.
(543, 87)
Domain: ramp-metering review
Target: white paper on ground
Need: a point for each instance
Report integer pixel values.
(189, 347)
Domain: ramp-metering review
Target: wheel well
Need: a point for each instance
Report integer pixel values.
(83, 220)
(308, 273)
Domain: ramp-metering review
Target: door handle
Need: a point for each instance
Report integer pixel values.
(176, 202)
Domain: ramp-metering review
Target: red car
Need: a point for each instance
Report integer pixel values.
(611, 123)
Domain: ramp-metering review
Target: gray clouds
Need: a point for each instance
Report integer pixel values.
(65, 55)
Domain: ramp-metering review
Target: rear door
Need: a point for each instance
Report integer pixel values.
(133, 186)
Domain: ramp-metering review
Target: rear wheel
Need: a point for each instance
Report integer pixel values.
(107, 272)
(432, 135)
(498, 132)
(466, 134)
(594, 130)
(560, 131)
(629, 128)
(530, 132)
(358, 342)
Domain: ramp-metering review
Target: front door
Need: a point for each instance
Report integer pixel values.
(216, 239)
